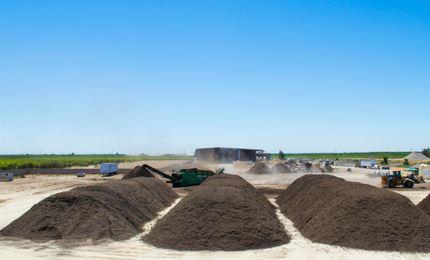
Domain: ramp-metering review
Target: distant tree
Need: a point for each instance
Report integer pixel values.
(426, 152)
(406, 162)
(281, 155)
(385, 160)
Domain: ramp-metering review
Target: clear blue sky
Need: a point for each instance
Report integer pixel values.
(170, 76)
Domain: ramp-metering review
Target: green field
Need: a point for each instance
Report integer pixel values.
(8, 162)
(369, 155)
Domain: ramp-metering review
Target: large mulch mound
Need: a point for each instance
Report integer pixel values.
(224, 213)
(282, 167)
(113, 210)
(425, 205)
(138, 171)
(333, 211)
(259, 168)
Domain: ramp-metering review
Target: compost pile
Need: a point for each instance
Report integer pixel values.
(112, 210)
(307, 166)
(333, 211)
(326, 168)
(223, 213)
(259, 168)
(138, 171)
(417, 157)
(282, 167)
(425, 205)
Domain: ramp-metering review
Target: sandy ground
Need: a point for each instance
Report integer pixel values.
(17, 197)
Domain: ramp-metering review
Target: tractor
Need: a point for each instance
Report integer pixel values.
(392, 180)
(414, 175)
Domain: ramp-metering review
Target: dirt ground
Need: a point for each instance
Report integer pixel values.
(18, 196)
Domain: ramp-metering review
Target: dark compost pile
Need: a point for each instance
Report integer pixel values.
(112, 210)
(259, 168)
(425, 205)
(224, 213)
(330, 210)
(138, 171)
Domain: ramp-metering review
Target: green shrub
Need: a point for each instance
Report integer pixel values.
(385, 160)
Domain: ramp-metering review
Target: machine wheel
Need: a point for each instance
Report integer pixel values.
(408, 184)
(392, 183)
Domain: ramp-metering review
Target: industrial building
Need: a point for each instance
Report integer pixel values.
(227, 155)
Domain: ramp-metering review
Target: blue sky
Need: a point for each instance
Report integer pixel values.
(169, 76)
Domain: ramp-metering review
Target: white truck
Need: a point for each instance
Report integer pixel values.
(425, 171)
(108, 169)
(6, 176)
(370, 164)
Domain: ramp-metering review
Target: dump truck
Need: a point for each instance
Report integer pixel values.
(369, 164)
(108, 169)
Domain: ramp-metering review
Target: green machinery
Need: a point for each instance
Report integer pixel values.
(185, 177)
(191, 177)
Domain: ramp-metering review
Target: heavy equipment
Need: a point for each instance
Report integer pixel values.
(108, 169)
(184, 177)
(414, 174)
(392, 180)
(326, 167)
